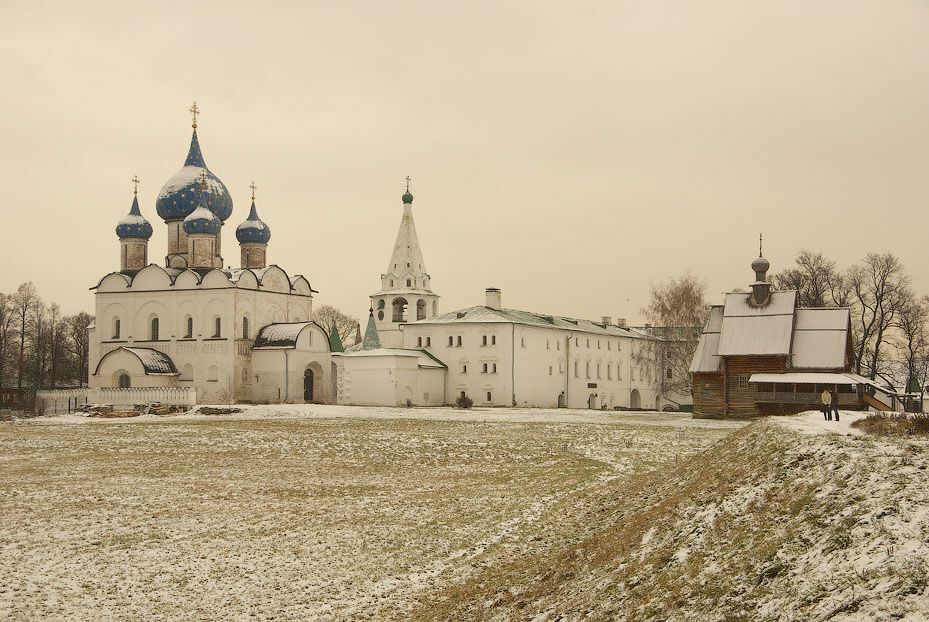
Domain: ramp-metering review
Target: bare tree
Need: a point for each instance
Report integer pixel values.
(331, 319)
(677, 310)
(879, 288)
(816, 279)
(7, 318)
(25, 299)
(78, 342)
(912, 343)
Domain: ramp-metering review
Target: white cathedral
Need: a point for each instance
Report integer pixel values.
(247, 334)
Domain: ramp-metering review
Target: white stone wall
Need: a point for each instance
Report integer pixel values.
(388, 380)
(219, 368)
(523, 356)
(278, 374)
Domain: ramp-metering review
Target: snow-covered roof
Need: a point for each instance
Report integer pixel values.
(423, 358)
(804, 378)
(814, 338)
(748, 330)
(706, 358)
(482, 314)
(154, 362)
(283, 334)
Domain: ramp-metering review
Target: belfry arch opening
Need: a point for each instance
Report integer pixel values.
(399, 307)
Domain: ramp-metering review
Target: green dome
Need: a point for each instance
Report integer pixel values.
(407, 197)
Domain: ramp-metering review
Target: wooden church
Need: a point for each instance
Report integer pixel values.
(759, 354)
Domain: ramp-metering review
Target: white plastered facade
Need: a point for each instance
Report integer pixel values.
(186, 305)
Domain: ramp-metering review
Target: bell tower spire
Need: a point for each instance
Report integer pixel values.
(406, 289)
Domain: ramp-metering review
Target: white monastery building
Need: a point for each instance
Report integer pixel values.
(247, 334)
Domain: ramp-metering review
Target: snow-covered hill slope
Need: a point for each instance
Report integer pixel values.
(776, 522)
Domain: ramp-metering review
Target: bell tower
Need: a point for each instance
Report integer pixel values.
(406, 288)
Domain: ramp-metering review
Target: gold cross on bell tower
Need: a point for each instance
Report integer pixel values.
(408, 183)
(135, 184)
(253, 187)
(194, 110)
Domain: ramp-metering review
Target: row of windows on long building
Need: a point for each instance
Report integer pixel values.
(154, 333)
(491, 340)
(590, 373)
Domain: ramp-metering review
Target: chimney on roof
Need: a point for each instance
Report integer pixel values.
(494, 298)
(621, 322)
(607, 320)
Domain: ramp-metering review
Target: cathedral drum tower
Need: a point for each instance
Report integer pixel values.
(405, 295)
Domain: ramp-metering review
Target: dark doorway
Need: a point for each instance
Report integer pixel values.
(308, 385)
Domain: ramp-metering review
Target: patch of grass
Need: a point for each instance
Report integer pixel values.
(839, 540)
(914, 576)
(894, 424)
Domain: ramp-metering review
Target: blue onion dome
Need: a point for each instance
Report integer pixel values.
(253, 230)
(202, 220)
(133, 224)
(179, 196)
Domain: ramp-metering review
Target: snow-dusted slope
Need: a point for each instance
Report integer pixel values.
(771, 524)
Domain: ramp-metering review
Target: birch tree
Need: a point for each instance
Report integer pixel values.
(677, 311)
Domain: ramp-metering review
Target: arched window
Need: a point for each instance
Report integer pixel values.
(244, 328)
(420, 309)
(409, 283)
(217, 328)
(154, 331)
(399, 305)
(124, 382)
(380, 303)
(189, 328)
(116, 328)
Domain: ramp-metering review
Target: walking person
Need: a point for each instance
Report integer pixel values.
(835, 406)
(826, 399)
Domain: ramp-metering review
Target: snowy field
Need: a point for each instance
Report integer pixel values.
(297, 512)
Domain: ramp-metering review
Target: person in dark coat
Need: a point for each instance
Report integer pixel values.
(835, 405)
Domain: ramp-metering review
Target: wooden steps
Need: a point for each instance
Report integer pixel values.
(873, 402)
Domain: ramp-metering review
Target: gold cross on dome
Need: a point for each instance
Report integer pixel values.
(135, 184)
(408, 183)
(253, 187)
(203, 180)
(194, 110)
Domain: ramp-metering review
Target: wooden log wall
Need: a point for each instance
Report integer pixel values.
(740, 401)
(708, 395)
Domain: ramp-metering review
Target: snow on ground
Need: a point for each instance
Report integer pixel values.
(510, 415)
(813, 422)
(298, 512)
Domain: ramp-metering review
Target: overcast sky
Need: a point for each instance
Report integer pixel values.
(569, 153)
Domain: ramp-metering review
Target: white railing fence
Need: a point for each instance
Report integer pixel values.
(67, 400)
